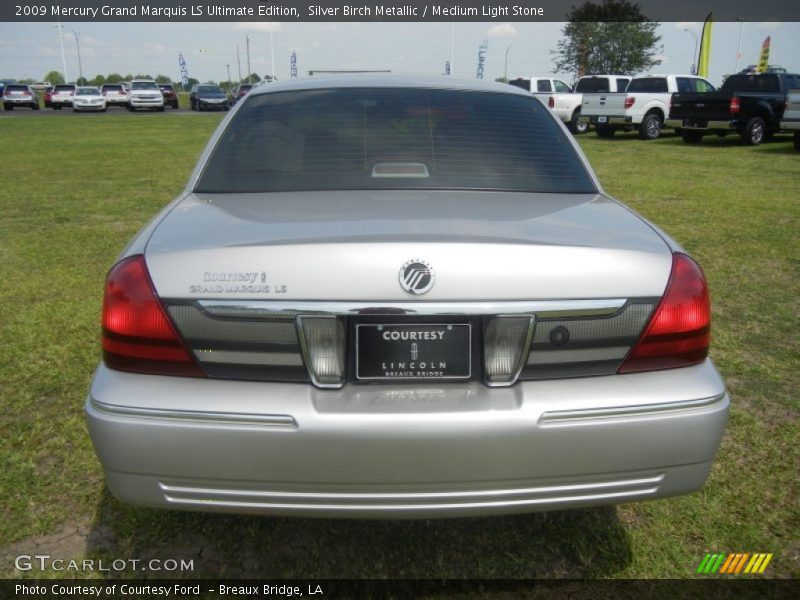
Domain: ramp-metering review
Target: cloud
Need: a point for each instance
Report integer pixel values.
(688, 25)
(506, 30)
(263, 26)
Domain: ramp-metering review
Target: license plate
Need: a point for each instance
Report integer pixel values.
(418, 352)
(602, 119)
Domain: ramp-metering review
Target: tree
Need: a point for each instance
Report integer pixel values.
(163, 79)
(254, 78)
(54, 77)
(98, 80)
(613, 37)
(114, 78)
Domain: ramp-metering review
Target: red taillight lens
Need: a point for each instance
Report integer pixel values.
(551, 102)
(679, 332)
(734, 106)
(629, 101)
(137, 334)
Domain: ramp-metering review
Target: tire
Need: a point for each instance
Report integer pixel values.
(650, 127)
(691, 137)
(8, 106)
(130, 108)
(575, 126)
(797, 140)
(175, 105)
(56, 107)
(162, 108)
(35, 106)
(605, 132)
(755, 132)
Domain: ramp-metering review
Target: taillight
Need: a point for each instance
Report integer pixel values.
(629, 101)
(137, 334)
(551, 102)
(679, 331)
(734, 105)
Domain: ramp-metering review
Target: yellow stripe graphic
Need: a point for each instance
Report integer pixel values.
(757, 558)
(765, 563)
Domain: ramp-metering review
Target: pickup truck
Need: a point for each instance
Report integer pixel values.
(750, 105)
(791, 116)
(547, 89)
(567, 105)
(644, 106)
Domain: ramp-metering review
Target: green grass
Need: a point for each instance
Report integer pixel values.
(75, 190)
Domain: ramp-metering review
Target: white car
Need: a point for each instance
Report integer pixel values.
(145, 93)
(88, 98)
(115, 94)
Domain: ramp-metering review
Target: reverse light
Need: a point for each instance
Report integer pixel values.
(137, 334)
(735, 105)
(679, 332)
(322, 340)
(630, 101)
(507, 340)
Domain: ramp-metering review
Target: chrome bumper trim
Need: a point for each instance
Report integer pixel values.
(711, 125)
(282, 421)
(548, 308)
(793, 125)
(642, 410)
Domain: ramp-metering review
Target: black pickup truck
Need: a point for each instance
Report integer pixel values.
(748, 105)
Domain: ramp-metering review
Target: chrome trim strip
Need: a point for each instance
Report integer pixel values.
(289, 309)
(282, 421)
(568, 416)
(416, 495)
(283, 359)
(578, 355)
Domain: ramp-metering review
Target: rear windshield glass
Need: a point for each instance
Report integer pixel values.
(524, 84)
(387, 138)
(593, 84)
(16, 88)
(655, 85)
(209, 89)
(113, 88)
(87, 91)
(64, 88)
(144, 85)
(751, 83)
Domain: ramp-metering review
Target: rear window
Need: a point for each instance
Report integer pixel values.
(751, 83)
(593, 84)
(87, 91)
(386, 138)
(113, 88)
(16, 88)
(524, 84)
(209, 89)
(144, 85)
(654, 85)
(64, 88)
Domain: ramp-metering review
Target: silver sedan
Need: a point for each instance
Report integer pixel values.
(389, 298)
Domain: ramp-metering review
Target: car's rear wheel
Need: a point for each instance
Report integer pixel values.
(650, 128)
(604, 131)
(755, 132)
(575, 125)
(8, 106)
(691, 137)
(797, 140)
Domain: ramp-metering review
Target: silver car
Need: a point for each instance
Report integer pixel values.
(388, 298)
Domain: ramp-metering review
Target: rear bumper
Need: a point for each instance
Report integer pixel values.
(702, 125)
(405, 451)
(793, 125)
(20, 101)
(606, 120)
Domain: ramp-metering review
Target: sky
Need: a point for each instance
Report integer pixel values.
(33, 49)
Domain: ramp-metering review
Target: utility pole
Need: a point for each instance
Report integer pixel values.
(249, 72)
(271, 53)
(739, 49)
(694, 56)
(452, 36)
(63, 58)
(505, 69)
(228, 67)
(80, 64)
(238, 65)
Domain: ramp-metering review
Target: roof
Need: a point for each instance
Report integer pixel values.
(443, 82)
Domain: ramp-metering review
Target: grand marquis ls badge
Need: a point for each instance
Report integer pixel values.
(417, 276)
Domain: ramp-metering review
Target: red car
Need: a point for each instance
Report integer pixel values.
(170, 95)
(48, 92)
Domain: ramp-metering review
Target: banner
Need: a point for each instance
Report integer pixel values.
(705, 47)
(763, 61)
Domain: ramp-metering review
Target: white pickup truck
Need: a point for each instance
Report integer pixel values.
(644, 105)
(791, 116)
(566, 102)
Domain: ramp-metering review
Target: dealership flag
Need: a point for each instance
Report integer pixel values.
(705, 48)
(763, 62)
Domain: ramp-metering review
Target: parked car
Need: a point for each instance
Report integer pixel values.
(145, 93)
(240, 91)
(390, 297)
(208, 97)
(547, 89)
(115, 94)
(791, 116)
(644, 105)
(750, 106)
(62, 95)
(47, 93)
(88, 98)
(170, 95)
(567, 106)
(42, 85)
(16, 95)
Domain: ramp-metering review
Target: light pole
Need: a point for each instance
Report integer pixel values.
(271, 54)
(80, 64)
(739, 48)
(60, 28)
(228, 67)
(452, 39)
(694, 56)
(505, 68)
(247, 41)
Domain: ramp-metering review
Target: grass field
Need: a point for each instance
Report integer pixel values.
(74, 191)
